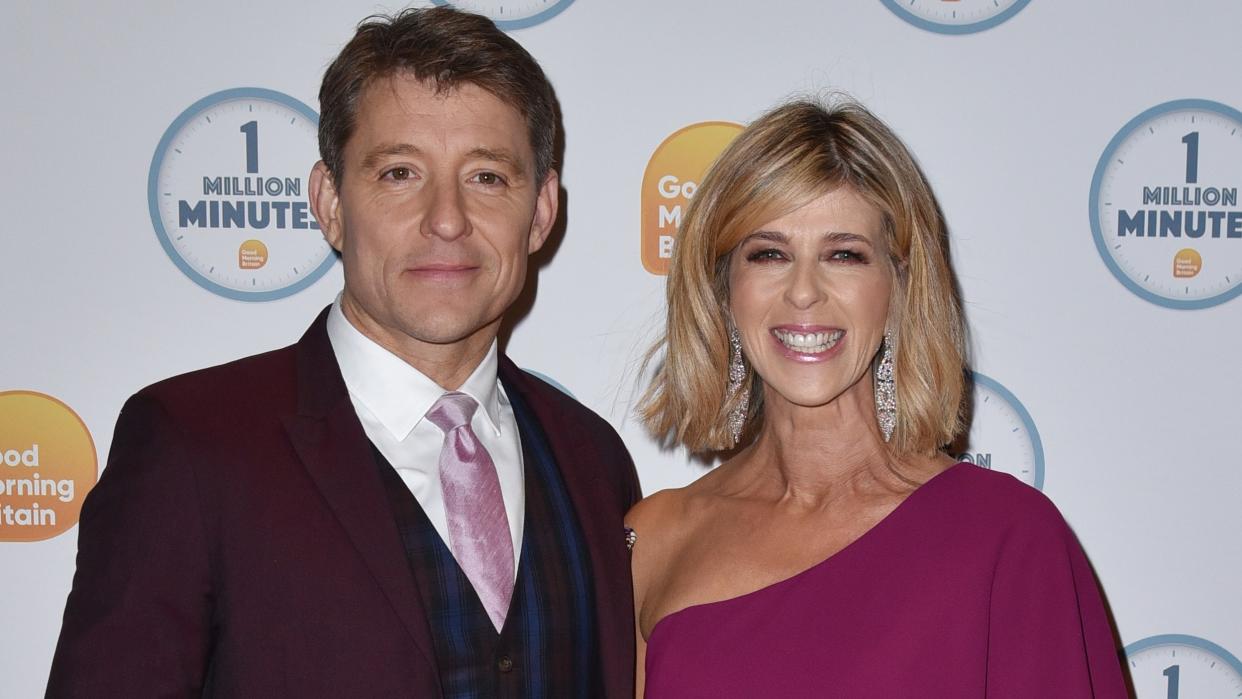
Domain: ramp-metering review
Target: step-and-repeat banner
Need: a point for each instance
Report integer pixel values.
(1088, 157)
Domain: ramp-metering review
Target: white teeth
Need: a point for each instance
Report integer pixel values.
(809, 343)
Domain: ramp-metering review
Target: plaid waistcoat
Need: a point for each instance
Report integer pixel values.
(548, 646)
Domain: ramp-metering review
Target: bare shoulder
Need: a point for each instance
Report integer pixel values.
(656, 520)
(666, 516)
(652, 528)
(664, 525)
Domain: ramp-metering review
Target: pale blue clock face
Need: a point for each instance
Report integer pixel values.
(955, 16)
(511, 14)
(1164, 204)
(1003, 436)
(227, 193)
(1175, 666)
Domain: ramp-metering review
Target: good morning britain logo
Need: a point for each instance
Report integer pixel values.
(227, 195)
(47, 465)
(672, 177)
(1164, 204)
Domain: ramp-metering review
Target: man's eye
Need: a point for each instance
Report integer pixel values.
(398, 173)
(489, 178)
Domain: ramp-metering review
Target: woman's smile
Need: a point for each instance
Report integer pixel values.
(808, 343)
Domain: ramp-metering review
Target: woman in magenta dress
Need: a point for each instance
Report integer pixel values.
(814, 330)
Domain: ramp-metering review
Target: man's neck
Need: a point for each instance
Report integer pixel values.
(447, 364)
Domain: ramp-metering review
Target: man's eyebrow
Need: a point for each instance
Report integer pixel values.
(386, 150)
(499, 155)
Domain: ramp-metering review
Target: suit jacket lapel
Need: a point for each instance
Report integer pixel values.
(336, 453)
(577, 458)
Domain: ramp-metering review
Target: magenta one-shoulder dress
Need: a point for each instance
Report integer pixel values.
(973, 587)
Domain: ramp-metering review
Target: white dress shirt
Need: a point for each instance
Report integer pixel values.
(392, 399)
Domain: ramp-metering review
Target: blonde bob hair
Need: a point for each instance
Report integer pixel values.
(787, 158)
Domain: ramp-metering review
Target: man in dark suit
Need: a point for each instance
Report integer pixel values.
(388, 507)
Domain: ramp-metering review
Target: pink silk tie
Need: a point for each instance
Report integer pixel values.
(478, 527)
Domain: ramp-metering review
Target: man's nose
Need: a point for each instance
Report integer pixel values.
(446, 211)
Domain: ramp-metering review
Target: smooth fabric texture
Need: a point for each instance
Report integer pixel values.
(478, 532)
(392, 398)
(548, 646)
(239, 544)
(973, 587)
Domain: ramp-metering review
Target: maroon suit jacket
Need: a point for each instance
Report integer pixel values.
(239, 542)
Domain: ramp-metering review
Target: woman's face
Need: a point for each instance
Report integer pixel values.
(809, 293)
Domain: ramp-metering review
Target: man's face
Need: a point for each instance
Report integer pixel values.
(435, 214)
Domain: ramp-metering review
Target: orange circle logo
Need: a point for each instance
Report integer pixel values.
(1187, 263)
(252, 255)
(47, 465)
(670, 181)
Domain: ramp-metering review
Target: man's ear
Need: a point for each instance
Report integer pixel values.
(325, 203)
(547, 202)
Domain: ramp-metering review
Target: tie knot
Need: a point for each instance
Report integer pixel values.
(452, 411)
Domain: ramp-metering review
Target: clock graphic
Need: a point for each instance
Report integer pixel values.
(511, 14)
(227, 195)
(955, 16)
(1164, 204)
(1176, 666)
(1002, 435)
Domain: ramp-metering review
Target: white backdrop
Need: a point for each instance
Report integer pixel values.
(1130, 401)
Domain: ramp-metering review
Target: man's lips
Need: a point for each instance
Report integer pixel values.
(442, 271)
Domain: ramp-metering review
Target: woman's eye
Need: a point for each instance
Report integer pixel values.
(765, 255)
(398, 173)
(848, 256)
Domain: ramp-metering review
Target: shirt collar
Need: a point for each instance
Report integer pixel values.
(397, 394)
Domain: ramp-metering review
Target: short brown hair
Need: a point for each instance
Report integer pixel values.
(444, 48)
(782, 161)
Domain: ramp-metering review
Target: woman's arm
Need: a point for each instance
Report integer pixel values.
(645, 522)
(1049, 633)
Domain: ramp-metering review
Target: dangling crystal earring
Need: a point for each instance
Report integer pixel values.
(737, 373)
(885, 391)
